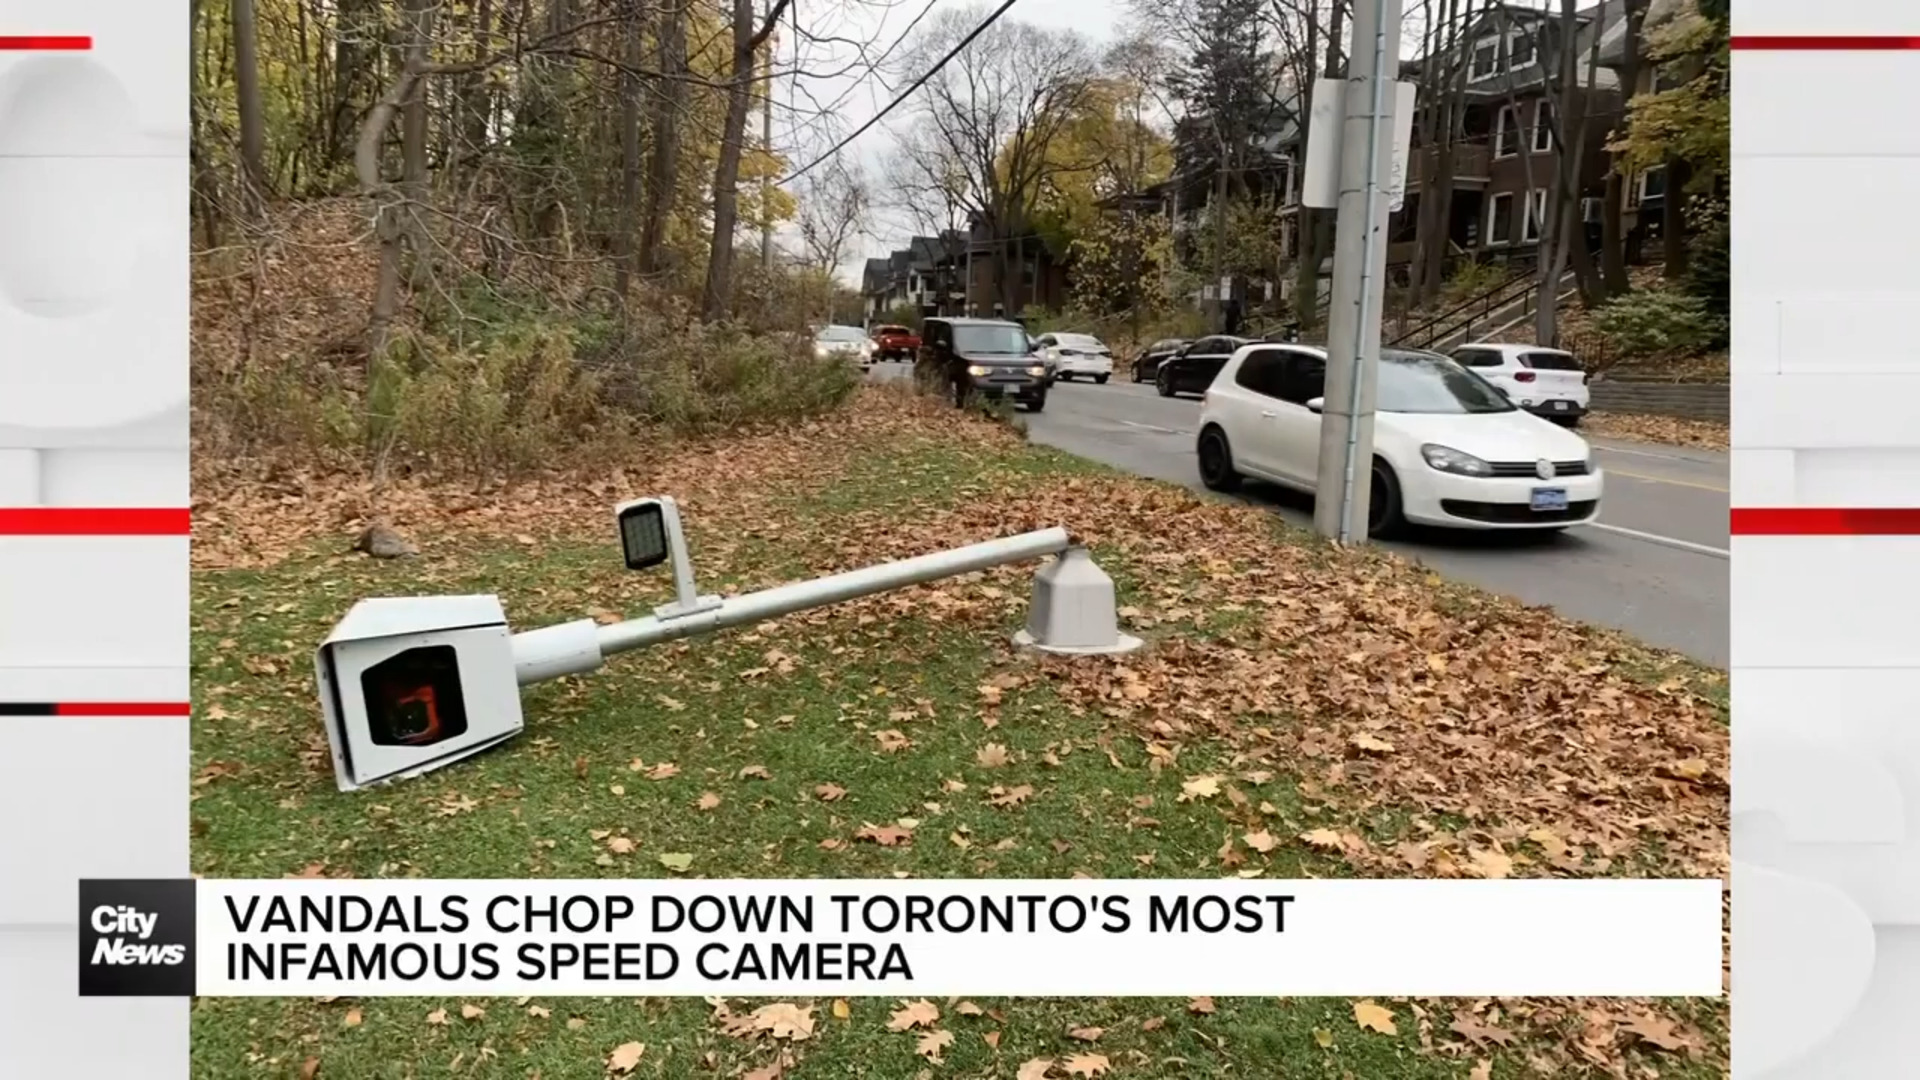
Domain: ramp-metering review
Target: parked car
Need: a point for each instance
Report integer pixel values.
(1449, 448)
(1147, 364)
(1191, 370)
(1546, 382)
(847, 342)
(1073, 355)
(894, 342)
(991, 358)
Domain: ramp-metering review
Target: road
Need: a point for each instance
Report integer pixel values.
(1655, 565)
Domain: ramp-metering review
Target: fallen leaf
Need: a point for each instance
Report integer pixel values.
(1006, 797)
(1088, 1065)
(1374, 1017)
(770, 1071)
(842, 1010)
(1199, 787)
(1035, 1069)
(922, 1013)
(437, 1017)
(352, 1019)
(1262, 841)
(663, 771)
(1087, 1034)
(678, 863)
(785, 1020)
(1482, 1070)
(1324, 839)
(1657, 1031)
(622, 845)
(968, 1008)
(310, 1068)
(1371, 745)
(1474, 1030)
(830, 792)
(472, 1012)
(1323, 1038)
(1200, 1006)
(992, 756)
(708, 800)
(539, 1012)
(758, 772)
(932, 1044)
(892, 741)
(625, 1057)
(1153, 1023)
(575, 1023)
(1491, 864)
(884, 835)
(992, 1038)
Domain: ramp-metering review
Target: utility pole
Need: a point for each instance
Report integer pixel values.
(1359, 272)
(766, 147)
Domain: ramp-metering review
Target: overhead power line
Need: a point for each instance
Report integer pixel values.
(903, 95)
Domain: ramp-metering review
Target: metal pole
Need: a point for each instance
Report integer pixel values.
(580, 646)
(1353, 330)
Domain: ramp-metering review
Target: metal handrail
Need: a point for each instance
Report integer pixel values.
(1482, 305)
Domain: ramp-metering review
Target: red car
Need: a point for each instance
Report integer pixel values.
(894, 343)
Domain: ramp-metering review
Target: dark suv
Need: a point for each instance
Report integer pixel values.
(989, 357)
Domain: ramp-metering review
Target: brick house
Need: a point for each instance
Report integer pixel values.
(927, 275)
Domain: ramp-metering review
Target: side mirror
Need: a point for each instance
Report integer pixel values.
(1315, 405)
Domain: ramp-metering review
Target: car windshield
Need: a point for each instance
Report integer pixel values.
(1550, 361)
(890, 330)
(1415, 382)
(990, 340)
(840, 333)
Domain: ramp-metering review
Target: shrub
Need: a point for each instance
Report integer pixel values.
(1658, 322)
(699, 378)
(1710, 270)
(1471, 279)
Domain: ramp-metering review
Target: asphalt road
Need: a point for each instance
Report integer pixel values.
(1655, 565)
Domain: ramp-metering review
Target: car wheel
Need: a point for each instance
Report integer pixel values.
(962, 393)
(1036, 404)
(1137, 377)
(1385, 518)
(1216, 461)
(1101, 379)
(1163, 383)
(1571, 421)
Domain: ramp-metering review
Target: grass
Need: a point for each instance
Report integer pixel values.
(754, 723)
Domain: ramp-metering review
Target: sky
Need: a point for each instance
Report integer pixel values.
(837, 91)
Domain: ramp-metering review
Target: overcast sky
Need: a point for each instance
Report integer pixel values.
(838, 92)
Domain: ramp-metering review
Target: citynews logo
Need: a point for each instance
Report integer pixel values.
(136, 938)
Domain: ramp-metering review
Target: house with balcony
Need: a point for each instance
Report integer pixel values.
(1503, 155)
(927, 275)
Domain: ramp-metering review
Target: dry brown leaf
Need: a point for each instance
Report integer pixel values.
(708, 800)
(755, 772)
(968, 1008)
(1372, 1017)
(310, 1068)
(625, 1057)
(922, 1013)
(830, 792)
(992, 1039)
(842, 1010)
(437, 1017)
(884, 835)
(1324, 839)
(785, 1020)
(1482, 1070)
(1199, 787)
(1034, 1069)
(1086, 1034)
(352, 1019)
(933, 1044)
(892, 741)
(472, 1012)
(1490, 864)
(1088, 1065)
(992, 756)
(1009, 797)
(1261, 841)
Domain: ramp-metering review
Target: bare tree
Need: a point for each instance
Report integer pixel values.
(989, 119)
(670, 44)
(1613, 240)
(726, 174)
(833, 204)
(246, 83)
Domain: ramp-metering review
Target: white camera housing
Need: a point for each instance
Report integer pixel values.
(408, 684)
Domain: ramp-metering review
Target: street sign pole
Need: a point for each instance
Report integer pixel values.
(1367, 149)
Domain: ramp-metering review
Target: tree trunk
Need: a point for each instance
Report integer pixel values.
(1554, 231)
(726, 174)
(206, 185)
(1673, 218)
(630, 164)
(1613, 234)
(670, 42)
(418, 34)
(1316, 226)
(476, 100)
(356, 23)
(246, 85)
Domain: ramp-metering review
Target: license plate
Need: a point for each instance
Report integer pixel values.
(1549, 498)
(1561, 405)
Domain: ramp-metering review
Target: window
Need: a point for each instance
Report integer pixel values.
(1543, 126)
(1486, 60)
(1500, 219)
(1264, 372)
(1536, 216)
(994, 339)
(1506, 133)
(1306, 378)
(1653, 184)
(1521, 50)
(1550, 361)
(1418, 382)
(1477, 358)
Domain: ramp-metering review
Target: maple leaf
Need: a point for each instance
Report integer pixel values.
(1324, 839)
(1200, 1006)
(992, 756)
(1482, 1070)
(830, 792)
(437, 1017)
(884, 835)
(1153, 1023)
(1199, 787)
(663, 770)
(892, 741)
(1471, 1028)
(1088, 1065)
(625, 1057)
(1657, 1031)
(1371, 745)
(932, 1044)
(708, 800)
(758, 772)
(1014, 796)
(1370, 1016)
(1491, 864)
(1034, 1069)
(1087, 1034)
(622, 845)
(922, 1013)
(472, 1012)
(1262, 841)
(968, 1008)
(785, 1020)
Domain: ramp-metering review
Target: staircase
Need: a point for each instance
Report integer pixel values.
(1488, 313)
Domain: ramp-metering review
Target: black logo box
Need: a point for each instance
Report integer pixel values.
(115, 961)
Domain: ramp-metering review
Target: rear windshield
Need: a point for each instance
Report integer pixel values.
(1550, 361)
(1079, 341)
(891, 330)
(841, 333)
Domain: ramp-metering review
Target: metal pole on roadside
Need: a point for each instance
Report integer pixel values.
(1359, 272)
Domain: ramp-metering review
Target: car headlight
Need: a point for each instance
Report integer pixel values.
(976, 370)
(820, 352)
(1037, 371)
(1447, 459)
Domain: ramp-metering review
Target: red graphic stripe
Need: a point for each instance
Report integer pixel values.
(122, 708)
(46, 43)
(1825, 521)
(105, 521)
(1823, 42)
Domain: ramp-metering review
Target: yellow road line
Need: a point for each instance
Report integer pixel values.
(1666, 480)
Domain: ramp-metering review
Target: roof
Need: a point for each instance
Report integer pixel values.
(969, 320)
(1605, 18)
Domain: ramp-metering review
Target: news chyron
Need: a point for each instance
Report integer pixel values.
(136, 938)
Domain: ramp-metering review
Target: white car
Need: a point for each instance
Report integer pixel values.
(1449, 448)
(847, 342)
(1073, 355)
(1548, 382)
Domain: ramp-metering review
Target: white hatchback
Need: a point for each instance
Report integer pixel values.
(1546, 382)
(1073, 355)
(1449, 448)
